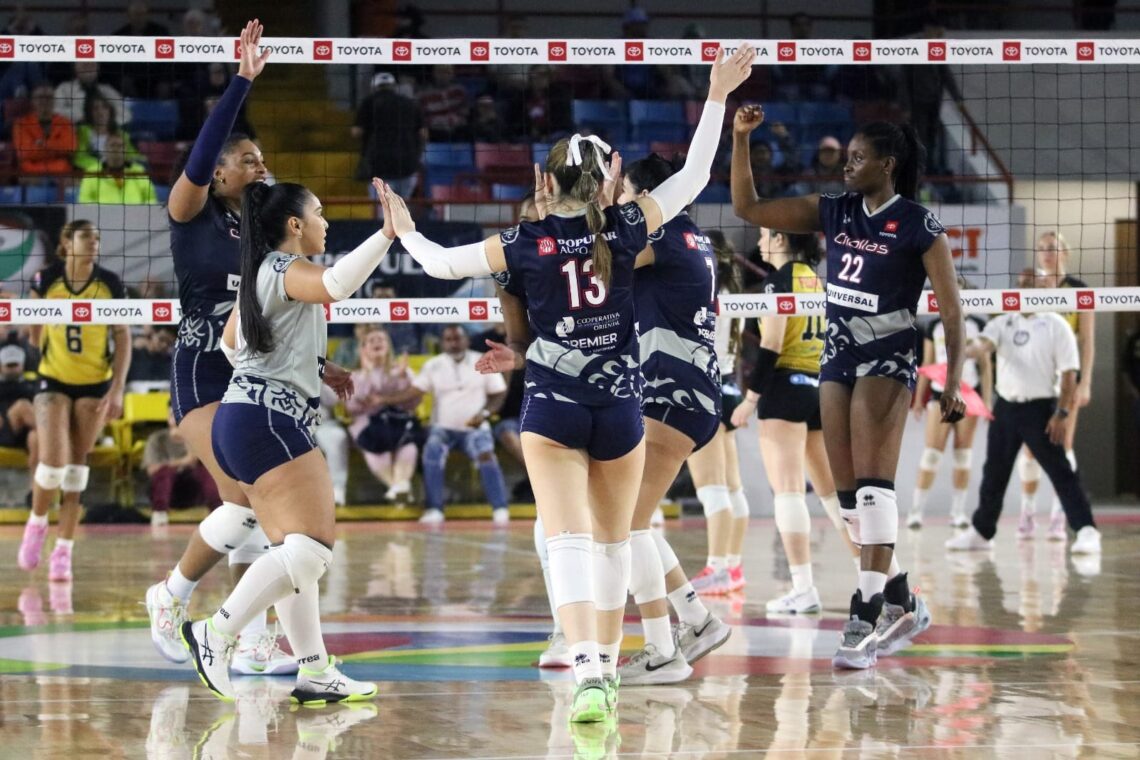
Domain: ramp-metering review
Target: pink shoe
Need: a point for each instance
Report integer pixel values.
(31, 606)
(31, 546)
(709, 581)
(736, 580)
(59, 565)
(59, 595)
(1026, 525)
(1057, 530)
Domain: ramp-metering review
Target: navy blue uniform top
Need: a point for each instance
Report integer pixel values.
(585, 339)
(676, 319)
(207, 263)
(874, 263)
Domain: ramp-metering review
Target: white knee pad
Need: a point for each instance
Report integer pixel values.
(668, 557)
(929, 459)
(49, 478)
(792, 513)
(611, 575)
(256, 544)
(1027, 468)
(1072, 457)
(571, 568)
(304, 559)
(714, 499)
(962, 458)
(75, 478)
(831, 507)
(227, 527)
(540, 543)
(739, 503)
(878, 515)
(646, 576)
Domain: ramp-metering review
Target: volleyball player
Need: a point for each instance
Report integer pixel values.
(205, 212)
(675, 297)
(715, 467)
(881, 246)
(82, 373)
(261, 439)
(1052, 254)
(977, 373)
(582, 428)
(783, 391)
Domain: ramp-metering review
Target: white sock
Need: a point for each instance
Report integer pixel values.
(733, 561)
(958, 501)
(871, 583)
(1028, 502)
(300, 617)
(39, 520)
(257, 625)
(920, 496)
(717, 563)
(585, 659)
(608, 656)
(688, 605)
(659, 633)
(65, 543)
(1056, 509)
(801, 577)
(179, 586)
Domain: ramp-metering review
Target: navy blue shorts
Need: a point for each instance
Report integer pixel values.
(250, 440)
(604, 432)
(700, 427)
(892, 357)
(197, 378)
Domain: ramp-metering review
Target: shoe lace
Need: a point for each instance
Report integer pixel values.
(265, 646)
(855, 631)
(645, 655)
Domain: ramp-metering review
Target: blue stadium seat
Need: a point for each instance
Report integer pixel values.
(500, 192)
(715, 193)
(154, 119)
(11, 194)
(35, 194)
(783, 113)
(163, 192)
(658, 120)
(660, 131)
(605, 118)
(539, 150)
(445, 161)
(632, 151)
(823, 113)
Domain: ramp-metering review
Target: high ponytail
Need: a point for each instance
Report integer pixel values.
(583, 183)
(264, 211)
(902, 143)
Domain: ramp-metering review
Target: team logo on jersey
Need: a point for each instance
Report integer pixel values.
(282, 263)
(5, 312)
(785, 304)
(80, 311)
(1086, 299)
(322, 50)
(85, 48)
(632, 213)
(657, 235)
(547, 246)
(936, 51)
(477, 310)
(401, 50)
(690, 240)
(1011, 51)
(709, 51)
(861, 51)
(556, 51)
(931, 303)
(161, 311)
(635, 51)
(1086, 51)
(398, 311)
(785, 51)
(1021, 337)
(164, 49)
(932, 224)
(891, 226)
(7, 47)
(1010, 301)
(480, 51)
(509, 235)
(564, 327)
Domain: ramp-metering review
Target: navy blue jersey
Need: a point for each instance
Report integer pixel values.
(207, 263)
(585, 340)
(676, 319)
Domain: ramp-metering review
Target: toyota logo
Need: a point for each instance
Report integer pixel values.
(1010, 301)
(6, 48)
(632, 48)
(82, 312)
(787, 50)
(557, 50)
(709, 51)
(166, 48)
(85, 48)
(5, 311)
(399, 311)
(479, 50)
(402, 50)
(1085, 50)
(862, 50)
(162, 312)
(1011, 50)
(324, 50)
(478, 310)
(1085, 299)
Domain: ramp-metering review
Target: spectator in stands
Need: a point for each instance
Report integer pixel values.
(463, 400)
(506, 430)
(17, 416)
(803, 82)
(22, 22)
(71, 96)
(922, 90)
(509, 79)
(446, 107)
(177, 478)
(332, 440)
(151, 362)
(139, 23)
(768, 176)
(826, 169)
(199, 93)
(386, 431)
(117, 181)
(486, 124)
(92, 133)
(406, 337)
(44, 140)
(392, 134)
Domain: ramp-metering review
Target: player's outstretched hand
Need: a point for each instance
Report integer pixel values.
(499, 358)
(388, 229)
(611, 188)
(252, 61)
(396, 210)
(729, 72)
(747, 119)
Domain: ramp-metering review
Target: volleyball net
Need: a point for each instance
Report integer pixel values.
(1024, 137)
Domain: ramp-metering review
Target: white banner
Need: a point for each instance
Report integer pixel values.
(980, 239)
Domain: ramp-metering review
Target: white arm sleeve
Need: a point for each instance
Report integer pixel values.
(346, 276)
(448, 263)
(682, 188)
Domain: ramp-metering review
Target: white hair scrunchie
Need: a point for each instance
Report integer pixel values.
(574, 153)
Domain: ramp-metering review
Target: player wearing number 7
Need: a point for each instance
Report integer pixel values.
(881, 247)
(582, 429)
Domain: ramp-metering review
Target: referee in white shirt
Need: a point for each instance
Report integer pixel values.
(1037, 362)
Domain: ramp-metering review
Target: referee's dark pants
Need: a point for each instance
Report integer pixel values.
(1013, 425)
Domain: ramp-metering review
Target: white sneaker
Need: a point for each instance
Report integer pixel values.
(167, 614)
(695, 641)
(1057, 527)
(320, 729)
(969, 540)
(914, 519)
(319, 687)
(211, 651)
(795, 602)
(649, 667)
(657, 520)
(260, 655)
(959, 519)
(339, 496)
(159, 518)
(167, 736)
(557, 655)
(501, 516)
(431, 517)
(1088, 541)
(398, 491)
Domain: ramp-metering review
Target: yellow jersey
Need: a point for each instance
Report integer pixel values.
(1072, 317)
(76, 354)
(803, 335)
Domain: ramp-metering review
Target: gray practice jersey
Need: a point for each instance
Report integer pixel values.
(288, 378)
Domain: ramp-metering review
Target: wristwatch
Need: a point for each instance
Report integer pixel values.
(1062, 412)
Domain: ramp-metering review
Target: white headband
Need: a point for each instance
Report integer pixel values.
(574, 154)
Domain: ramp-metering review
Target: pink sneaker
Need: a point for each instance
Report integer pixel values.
(1057, 530)
(709, 581)
(60, 598)
(736, 580)
(31, 546)
(31, 606)
(1026, 525)
(59, 565)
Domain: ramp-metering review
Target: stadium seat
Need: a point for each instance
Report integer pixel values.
(36, 194)
(781, 113)
(715, 193)
(443, 162)
(632, 151)
(538, 152)
(154, 119)
(501, 192)
(10, 194)
(659, 120)
(492, 155)
(459, 193)
(605, 118)
(820, 119)
(161, 158)
(163, 193)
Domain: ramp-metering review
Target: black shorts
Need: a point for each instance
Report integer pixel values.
(389, 430)
(73, 392)
(791, 396)
(730, 398)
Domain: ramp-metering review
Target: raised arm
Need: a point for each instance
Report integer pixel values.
(798, 215)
